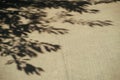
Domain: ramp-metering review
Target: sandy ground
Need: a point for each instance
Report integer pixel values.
(88, 53)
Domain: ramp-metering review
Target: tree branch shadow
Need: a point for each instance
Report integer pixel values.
(90, 23)
(77, 6)
(14, 36)
(22, 65)
(17, 21)
(106, 1)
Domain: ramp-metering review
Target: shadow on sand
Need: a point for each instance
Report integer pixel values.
(14, 39)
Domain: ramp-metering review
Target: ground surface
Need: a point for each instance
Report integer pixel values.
(88, 53)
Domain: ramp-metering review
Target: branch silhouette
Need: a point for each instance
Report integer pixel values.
(105, 1)
(18, 18)
(16, 22)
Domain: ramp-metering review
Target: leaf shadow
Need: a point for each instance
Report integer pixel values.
(18, 19)
(106, 1)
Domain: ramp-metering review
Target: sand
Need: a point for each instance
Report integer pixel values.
(87, 53)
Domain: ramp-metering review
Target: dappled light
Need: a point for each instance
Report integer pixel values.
(20, 18)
